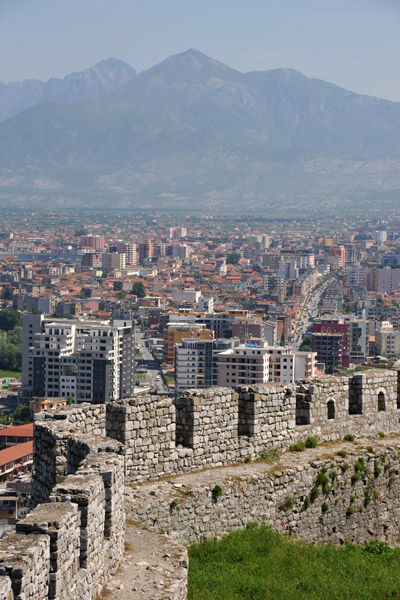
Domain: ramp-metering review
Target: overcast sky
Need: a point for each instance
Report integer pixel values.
(353, 43)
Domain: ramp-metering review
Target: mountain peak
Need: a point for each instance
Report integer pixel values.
(191, 66)
(90, 84)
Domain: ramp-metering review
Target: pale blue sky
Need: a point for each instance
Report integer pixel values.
(353, 43)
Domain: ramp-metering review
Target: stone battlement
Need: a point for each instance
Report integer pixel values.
(73, 540)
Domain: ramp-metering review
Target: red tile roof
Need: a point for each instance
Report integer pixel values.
(18, 430)
(15, 452)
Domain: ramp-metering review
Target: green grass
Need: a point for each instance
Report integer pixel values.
(16, 374)
(259, 564)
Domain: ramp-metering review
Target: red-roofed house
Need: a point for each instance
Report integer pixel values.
(15, 460)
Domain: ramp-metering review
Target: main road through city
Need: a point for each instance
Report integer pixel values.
(152, 365)
(308, 315)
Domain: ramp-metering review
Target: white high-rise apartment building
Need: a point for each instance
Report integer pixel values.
(91, 361)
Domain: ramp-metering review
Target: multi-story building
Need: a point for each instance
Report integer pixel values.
(246, 328)
(387, 339)
(196, 362)
(174, 333)
(130, 251)
(146, 250)
(287, 365)
(96, 242)
(357, 277)
(206, 304)
(383, 279)
(114, 260)
(176, 233)
(244, 365)
(91, 259)
(257, 362)
(91, 361)
(340, 341)
(380, 236)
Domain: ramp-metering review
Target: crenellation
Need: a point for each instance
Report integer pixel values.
(61, 522)
(85, 455)
(6, 592)
(25, 559)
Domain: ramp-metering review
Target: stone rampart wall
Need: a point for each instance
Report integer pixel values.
(213, 427)
(221, 426)
(72, 541)
(354, 498)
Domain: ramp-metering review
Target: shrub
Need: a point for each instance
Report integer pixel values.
(375, 547)
(377, 469)
(321, 478)
(173, 505)
(270, 454)
(344, 467)
(287, 503)
(324, 507)
(355, 477)
(381, 434)
(216, 492)
(349, 511)
(360, 465)
(307, 502)
(391, 481)
(299, 447)
(333, 476)
(342, 453)
(367, 499)
(248, 459)
(349, 437)
(314, 494)
(311, 442)
(326, 489)
(370, 449)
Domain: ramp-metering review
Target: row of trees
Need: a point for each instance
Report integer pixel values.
(10, 340)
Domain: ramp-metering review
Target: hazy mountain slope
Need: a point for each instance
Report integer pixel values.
(192, 132)
(92, 83)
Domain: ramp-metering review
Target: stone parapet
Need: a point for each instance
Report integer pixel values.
(355, 498)
(84, 455)
(25, 560)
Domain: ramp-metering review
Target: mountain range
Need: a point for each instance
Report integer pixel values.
(194, 134)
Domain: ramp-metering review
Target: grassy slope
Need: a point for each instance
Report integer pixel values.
(258, 564)
(16, 374)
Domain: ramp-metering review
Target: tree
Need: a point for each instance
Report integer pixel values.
(7, 293)
(138, 289)
(22, 414)
(305, 345)
(233, 258)
(81, 231)
(9, 318)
